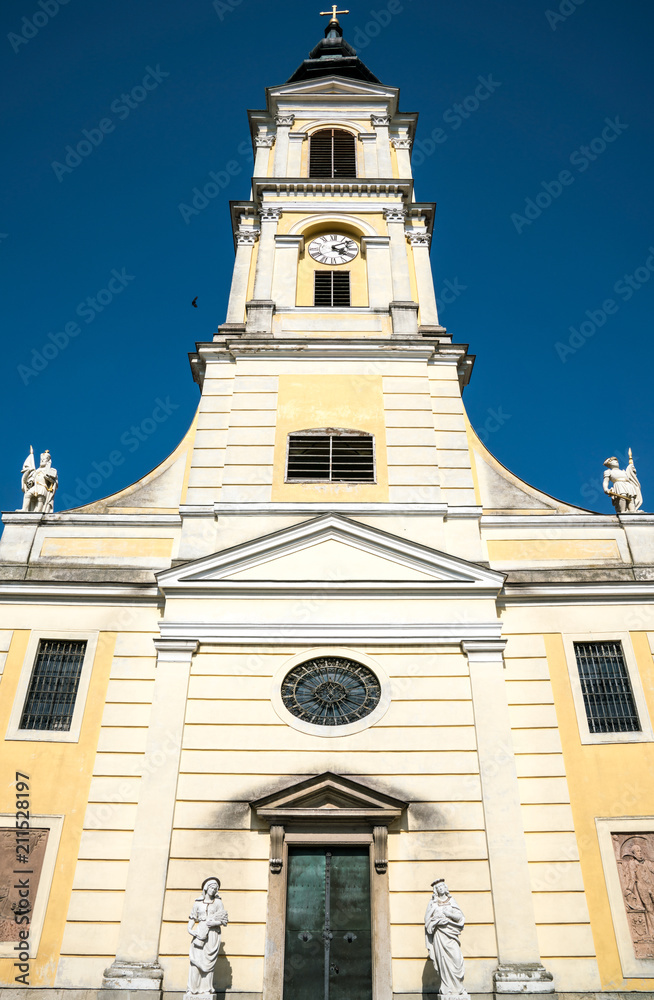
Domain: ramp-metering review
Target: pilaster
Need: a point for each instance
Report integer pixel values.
(295, 143)
(264, 142)
(246, 238)
(402, 148)
(287, 253)
(369, 141)
(380, 281)
(260, 309)
(403, 309)
(137, 957)
(420, 243)
(284, 125)
(380, 123)
(519, 966)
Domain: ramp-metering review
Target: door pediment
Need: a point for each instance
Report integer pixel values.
(339, 556)
(328, 798)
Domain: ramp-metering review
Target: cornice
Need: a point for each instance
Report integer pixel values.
(584, 519)
(546, 594)
(303, 187)
(90, 520)
(294, 634)
(53, 592)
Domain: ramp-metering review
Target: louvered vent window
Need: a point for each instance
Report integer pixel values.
(334, 458)
(605, 685)
(53, 687)
(331, 288)
(332, 154)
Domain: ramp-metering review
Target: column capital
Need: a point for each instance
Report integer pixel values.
(484, 650)
(395, 214)
(284, 120)
(402, 143)
(380, 121)
(418, 239)
(297, 136)
(265, 140)
(270, 214)
(290, 241)
(246, 236)
(368, 137)
(175, 650)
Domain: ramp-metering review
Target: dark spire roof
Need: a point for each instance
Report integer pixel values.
(333, 56)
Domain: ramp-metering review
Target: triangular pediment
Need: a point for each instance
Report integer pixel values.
(339, 555)
(333, 85)
(329, 797)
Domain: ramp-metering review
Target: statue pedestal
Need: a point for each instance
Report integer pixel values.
(200, 996)
(518, 978)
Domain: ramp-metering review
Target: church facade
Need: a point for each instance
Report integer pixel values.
(330, 651)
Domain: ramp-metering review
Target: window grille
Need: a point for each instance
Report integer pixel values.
(336, 458)
(331, 288)
(332, 153)
(605, 685)
(53, 686)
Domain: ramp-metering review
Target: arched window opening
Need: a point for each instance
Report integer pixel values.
(331, 455)
(332, 153)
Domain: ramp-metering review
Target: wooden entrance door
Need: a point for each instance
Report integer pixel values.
(328, 947)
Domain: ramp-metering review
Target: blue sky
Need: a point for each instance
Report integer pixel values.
(545, 217)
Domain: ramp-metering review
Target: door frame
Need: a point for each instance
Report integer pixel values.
(328, 810)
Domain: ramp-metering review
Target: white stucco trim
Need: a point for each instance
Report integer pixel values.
(14, 732)
(327, 732)
(645, 734)
(55, 824)
(329, 218)
(631, 966)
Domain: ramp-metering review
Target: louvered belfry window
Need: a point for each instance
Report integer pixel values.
(605, 685)
(53, 686)
(332, 153)
(331, 288)
(331, 456)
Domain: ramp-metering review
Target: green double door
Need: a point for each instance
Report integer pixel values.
(328, 952)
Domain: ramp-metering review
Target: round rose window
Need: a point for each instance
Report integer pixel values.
(330, 691)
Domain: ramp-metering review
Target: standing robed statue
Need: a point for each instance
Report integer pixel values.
(38, 485)
(207, 917)
(444, 922)
(622, 486)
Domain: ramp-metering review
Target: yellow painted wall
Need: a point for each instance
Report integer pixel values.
(60, 778)
(354, 402)
(604, 780)
(535, 549)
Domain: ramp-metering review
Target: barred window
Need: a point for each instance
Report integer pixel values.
(53, 685)
(606, 688)
(331, 288)
(336, 457)
(332, 153)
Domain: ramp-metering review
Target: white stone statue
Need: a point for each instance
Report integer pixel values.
(622, 486)
(39, 485)
(208, 915)
(444, 922)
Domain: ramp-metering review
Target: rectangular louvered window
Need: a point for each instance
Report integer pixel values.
(606, 688)
(53, 685)
(332, 153)
(331, 289)
(335, 458)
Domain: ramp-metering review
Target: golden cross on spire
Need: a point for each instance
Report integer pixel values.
(334, 12)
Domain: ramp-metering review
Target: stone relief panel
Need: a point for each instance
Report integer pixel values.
(12, 871)
(634, 854)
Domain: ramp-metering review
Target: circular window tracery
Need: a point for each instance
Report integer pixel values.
(330, 691)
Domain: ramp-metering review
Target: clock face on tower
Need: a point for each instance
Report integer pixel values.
(333, 249)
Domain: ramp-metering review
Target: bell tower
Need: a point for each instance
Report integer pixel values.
(332, 334)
